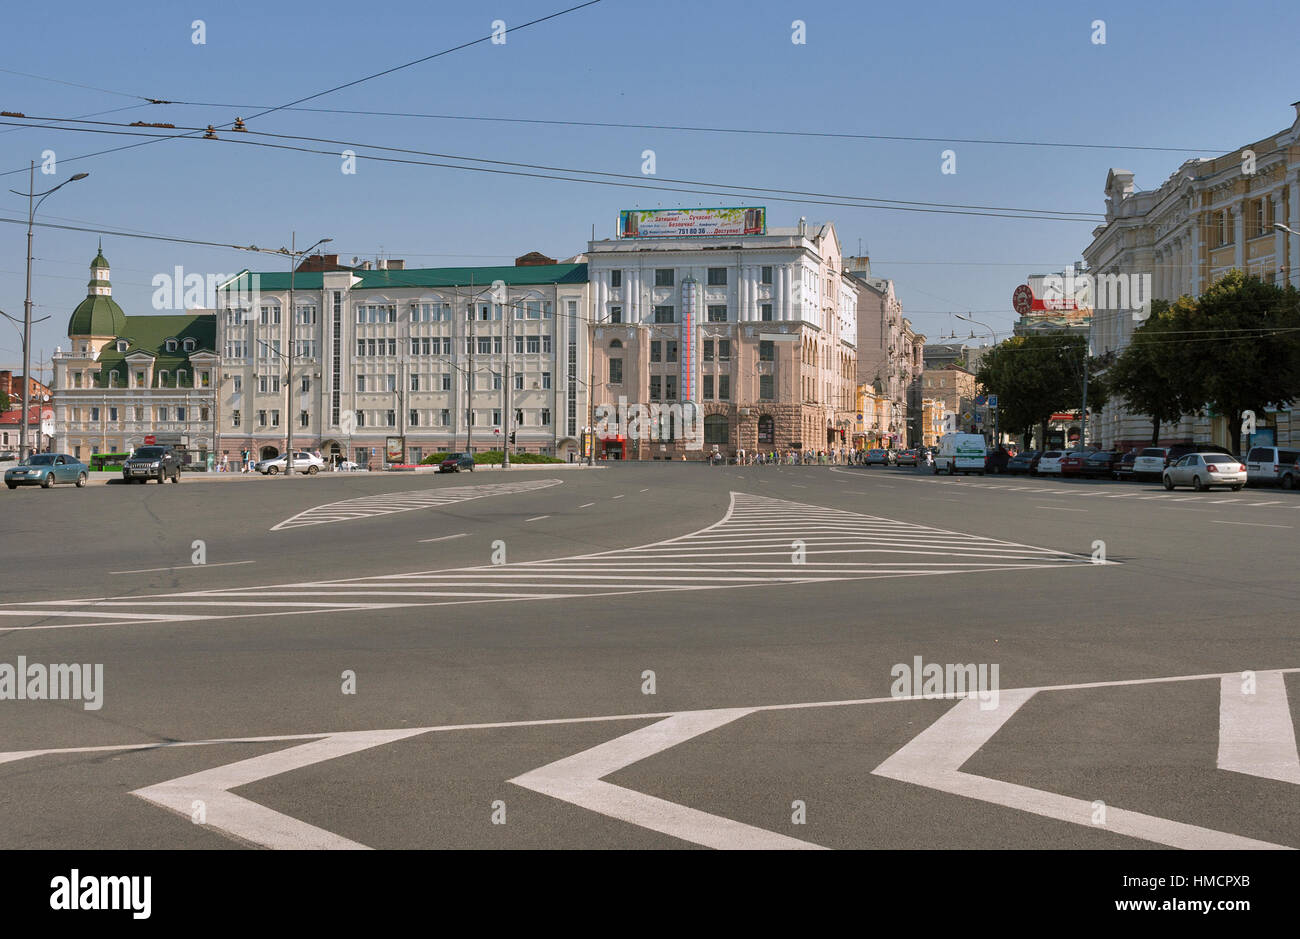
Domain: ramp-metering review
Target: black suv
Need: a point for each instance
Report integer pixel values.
(146, 463)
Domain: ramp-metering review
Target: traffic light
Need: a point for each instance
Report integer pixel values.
(512, 437)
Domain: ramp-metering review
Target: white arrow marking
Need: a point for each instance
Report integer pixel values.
(935, 756)
(257, 824)
(577, 779)
(1256, 735)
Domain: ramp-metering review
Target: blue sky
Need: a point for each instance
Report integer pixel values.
(1185, 75)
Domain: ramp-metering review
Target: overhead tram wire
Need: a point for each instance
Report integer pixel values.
(1086, 216)
(645, 186)
(311, 97)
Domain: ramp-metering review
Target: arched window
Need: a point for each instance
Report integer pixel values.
(766, 430)
(122, 345)
(616, 344)
(188, 345)
(171, 345)
(715, 429)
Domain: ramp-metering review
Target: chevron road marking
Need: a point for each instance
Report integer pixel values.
(1254, 737)
(1256, 734)
(389, 503)
(753, 545)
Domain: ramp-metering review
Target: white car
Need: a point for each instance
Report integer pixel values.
(303, 462)
(1150, 463)
(1203, 470)
(1049, 464)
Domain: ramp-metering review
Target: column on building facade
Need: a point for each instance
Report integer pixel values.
(1238, 236)
(779, 311)
(1293, 220)
(1279, 236)
(602, 298)
(787, 293)
(1180, 268)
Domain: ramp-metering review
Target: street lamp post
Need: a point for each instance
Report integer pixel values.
(293, 254)
(27, 304)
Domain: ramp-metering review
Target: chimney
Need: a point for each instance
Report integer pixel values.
(381, 264)
(803, 226)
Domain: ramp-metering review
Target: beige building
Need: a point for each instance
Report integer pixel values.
(875, 411)
(932, 417)
(1208, 217)
(891, 355)
(754, 334)
(954, 388)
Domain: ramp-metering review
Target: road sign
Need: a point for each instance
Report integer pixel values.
(981, 400)
(993, 401)
(150, 440)
(967, 416)
(979, 418)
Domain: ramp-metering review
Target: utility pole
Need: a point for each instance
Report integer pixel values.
(469, 372)
(507, 415)
(1083, 423)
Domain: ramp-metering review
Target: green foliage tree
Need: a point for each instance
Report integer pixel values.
(1036, 376)
(1149, 374)
(4, 401)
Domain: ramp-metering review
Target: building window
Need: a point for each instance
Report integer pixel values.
(203, 414)
(765, 312)
(670, 387)
(724, 387)
(616, 278)
(656, 392)
(708, 350)
(261, 418)
(546, 417)
(616, 371)
(717, 277)
(715, 430)
(765, 388)
(446, 382)
(708, 388)
(269, 315)
(180, 413)
(519, 381)
(361, 418)
(361, 383)
(121, 345)
(390, 417)
(616, 314)
(671, 350)
(413, 418)
(656, 350)
(724, 350)
(766, 350)
(171, 345)
(534, 344)
(766, 276)
(303, 419)
(139, 415)
(664, 277)
(234, 418)
(546, 381)
(664, 314)
(275, 418)
(445, 415)
(717, 312)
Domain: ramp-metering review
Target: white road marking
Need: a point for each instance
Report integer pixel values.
(443, 538)
(578, 779)
(750, 546)
(935, 756)
(1059, 508)
(1256, 735)
(253, 823)
(536, 518)
(586, 505)
(619, 496)
(645, 490)
(1251, 524)
(183, 567)
(389, 503)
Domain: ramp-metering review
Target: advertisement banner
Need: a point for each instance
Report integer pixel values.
(394, 449)
(691, 223)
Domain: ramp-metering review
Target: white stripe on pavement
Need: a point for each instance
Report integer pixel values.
(1256, 734)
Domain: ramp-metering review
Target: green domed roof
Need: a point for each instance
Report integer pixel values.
(100, 260)
(97, 316)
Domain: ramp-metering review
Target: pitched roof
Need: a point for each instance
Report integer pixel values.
(150, 334)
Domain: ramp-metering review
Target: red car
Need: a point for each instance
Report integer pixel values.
(1072, 463)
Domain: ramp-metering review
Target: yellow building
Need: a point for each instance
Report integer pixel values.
(871, 427)
(932, 414)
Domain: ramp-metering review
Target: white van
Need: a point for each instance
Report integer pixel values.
(1271, 466)
(961, 453)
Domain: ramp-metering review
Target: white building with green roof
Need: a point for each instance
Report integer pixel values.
(127, 380)
(445, 359)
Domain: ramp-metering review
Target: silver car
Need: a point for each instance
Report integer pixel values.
(1203, 470)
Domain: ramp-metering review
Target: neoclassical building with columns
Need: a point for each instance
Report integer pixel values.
(1208, 217)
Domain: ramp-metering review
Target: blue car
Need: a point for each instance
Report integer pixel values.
(46, 469)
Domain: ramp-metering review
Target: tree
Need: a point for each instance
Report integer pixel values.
(1242, 342)
(4, 401)
(1149, 374)
(1036, 376)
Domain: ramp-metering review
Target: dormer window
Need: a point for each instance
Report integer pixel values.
(121, 345)
(188, 344)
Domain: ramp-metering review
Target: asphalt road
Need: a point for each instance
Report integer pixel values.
(515, 692)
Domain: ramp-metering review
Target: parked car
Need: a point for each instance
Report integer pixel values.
(906, 458)
(1272, 466)
(1073, 461)
(1180, 450)
(1049, 464)
(303, 462)
(1101, 464)
(1203, 470)
(455, 462)
(877, 457)
(1151, 463)
(1124, 468)
(46, 469)
(146, 463)
(997, 461)
(1023, 462)
(8, 456)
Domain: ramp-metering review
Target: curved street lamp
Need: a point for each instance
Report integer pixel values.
(31, 194)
